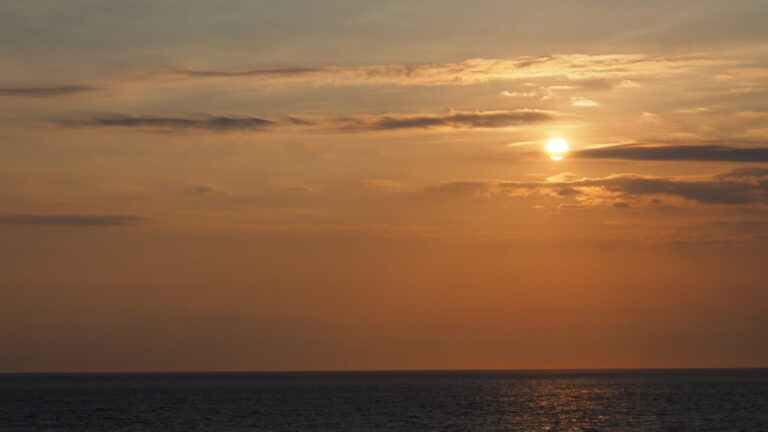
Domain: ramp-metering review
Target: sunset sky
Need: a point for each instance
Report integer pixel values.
(349, 184)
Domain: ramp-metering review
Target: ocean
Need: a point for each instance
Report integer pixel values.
(608, 400)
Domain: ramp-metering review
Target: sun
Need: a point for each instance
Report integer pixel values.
(557, 148)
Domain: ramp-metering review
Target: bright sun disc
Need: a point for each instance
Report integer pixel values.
(557, 148)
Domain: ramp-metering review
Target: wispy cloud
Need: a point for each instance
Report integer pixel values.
(295, 71)
(579, 101)
(452, 120)
(43, 92)
(334, 124)
(79, 220)
(732, 188)
(746, 174)
(672, 152)
(572, 66)
(215, 123)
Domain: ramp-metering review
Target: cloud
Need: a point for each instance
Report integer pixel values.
(650, 118)
(627, 84)
(695, 110)
(529, 94)
(462, 187)
(72, 220)
(345, 124)
(204, 189)
(250, 72)
(579, 101)
(546, 92)
(214, 123)
(453, 120)
(737, 187)
(602, 69)
(745, 174)
(716, 191)
(208, 190)
(660, 152)
(42, 92)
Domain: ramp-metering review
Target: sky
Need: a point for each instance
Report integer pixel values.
(355, 185)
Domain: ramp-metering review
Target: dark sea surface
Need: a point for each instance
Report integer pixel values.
(639, 400)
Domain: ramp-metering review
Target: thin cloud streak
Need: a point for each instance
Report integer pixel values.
(43, 92)
(79, 220)
(347, 124)
(453, 120)
(216, 123)
(252, 72)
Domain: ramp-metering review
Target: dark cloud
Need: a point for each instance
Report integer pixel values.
(215, 123)
(729, 189)
(710, 192)
(250, 72)
(656, 152)
(207, 190)
(72, 220)
(594, 84)
(707, 191)
(566, 191)
(298, 121)
(455, 120)
(42, 92)
(743, 226)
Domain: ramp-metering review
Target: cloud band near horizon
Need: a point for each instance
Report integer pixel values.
(736, 187)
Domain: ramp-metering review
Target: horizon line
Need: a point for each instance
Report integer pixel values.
(309, 371)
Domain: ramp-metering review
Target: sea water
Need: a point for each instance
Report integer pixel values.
(611, 400)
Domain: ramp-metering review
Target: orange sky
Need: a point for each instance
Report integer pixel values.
(288, 185)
